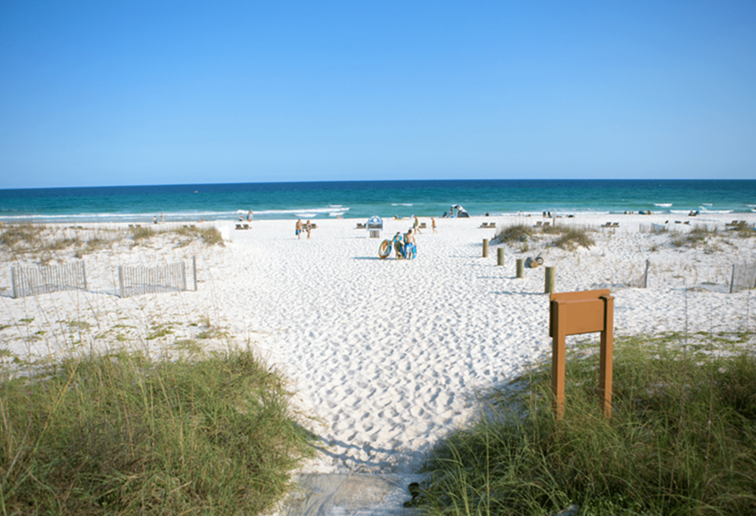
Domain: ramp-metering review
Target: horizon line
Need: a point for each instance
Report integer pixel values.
(371, 181)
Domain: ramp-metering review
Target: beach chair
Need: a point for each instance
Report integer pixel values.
(246, 226)
(313, 226)
(360, 226)
(483, 226)
(538, 224)
(546, 224)
(131, 226)
(238, 226)
(615, 224)
(492, 225)
(193, 226)
(423, 226)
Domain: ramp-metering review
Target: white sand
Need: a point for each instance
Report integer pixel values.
(389, 355)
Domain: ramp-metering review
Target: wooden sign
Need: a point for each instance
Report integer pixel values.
(575, 313)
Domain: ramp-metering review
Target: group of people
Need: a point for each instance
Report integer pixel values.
(249, 217)
(404, 245)
(303, 227)
(404, 241)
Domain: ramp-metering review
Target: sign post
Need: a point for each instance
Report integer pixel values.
(575, 313)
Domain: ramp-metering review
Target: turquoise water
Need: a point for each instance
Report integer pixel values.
(361, 199)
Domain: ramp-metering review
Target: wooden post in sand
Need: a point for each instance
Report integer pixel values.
(500, 256)
(485, 248)
(194, 271)
(550, 280)
(520, 268)
(575, 313)
(732, 279)
(120, 278)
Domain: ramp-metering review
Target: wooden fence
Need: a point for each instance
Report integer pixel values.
(29, 281)
(743, 277)
(138, 280)
(722, 278)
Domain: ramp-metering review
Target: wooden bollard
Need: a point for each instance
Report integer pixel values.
(500, 256)
(520, 268)
(550, 280)
(485, 248)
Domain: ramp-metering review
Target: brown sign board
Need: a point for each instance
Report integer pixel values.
(576, 313)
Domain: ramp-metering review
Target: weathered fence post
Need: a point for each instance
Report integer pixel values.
(194, 271)
(485, 248)
(645, 276)
(550, 280)
(13, 281)
(500, 256)
(84, 274)
(520, 268)
(120, 278)
(732, 280)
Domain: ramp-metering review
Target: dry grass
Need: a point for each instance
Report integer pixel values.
(513, 234)
(573, 238)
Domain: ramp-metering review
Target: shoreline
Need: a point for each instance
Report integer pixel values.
(317, 215)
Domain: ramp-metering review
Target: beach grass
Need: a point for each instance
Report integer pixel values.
(573, 238)
(514, 233)
(569, 237)
(27, 234)
(47, 243)
(681, 439)
(122, 434)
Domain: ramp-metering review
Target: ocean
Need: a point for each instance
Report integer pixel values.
(362, 199)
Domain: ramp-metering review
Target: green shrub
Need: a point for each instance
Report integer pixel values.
(211, 236)
(681, 441)
(120, 434)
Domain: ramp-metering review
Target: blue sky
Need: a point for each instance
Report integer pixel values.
(120, 93)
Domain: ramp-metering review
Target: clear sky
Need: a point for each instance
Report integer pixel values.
(150, 92)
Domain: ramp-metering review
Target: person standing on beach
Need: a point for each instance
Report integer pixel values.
(308, 227)
(433, 224)
(299, 229)
(416, 226)
(162, 218)
(399, 245)
(410, 247)
(249, 216)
